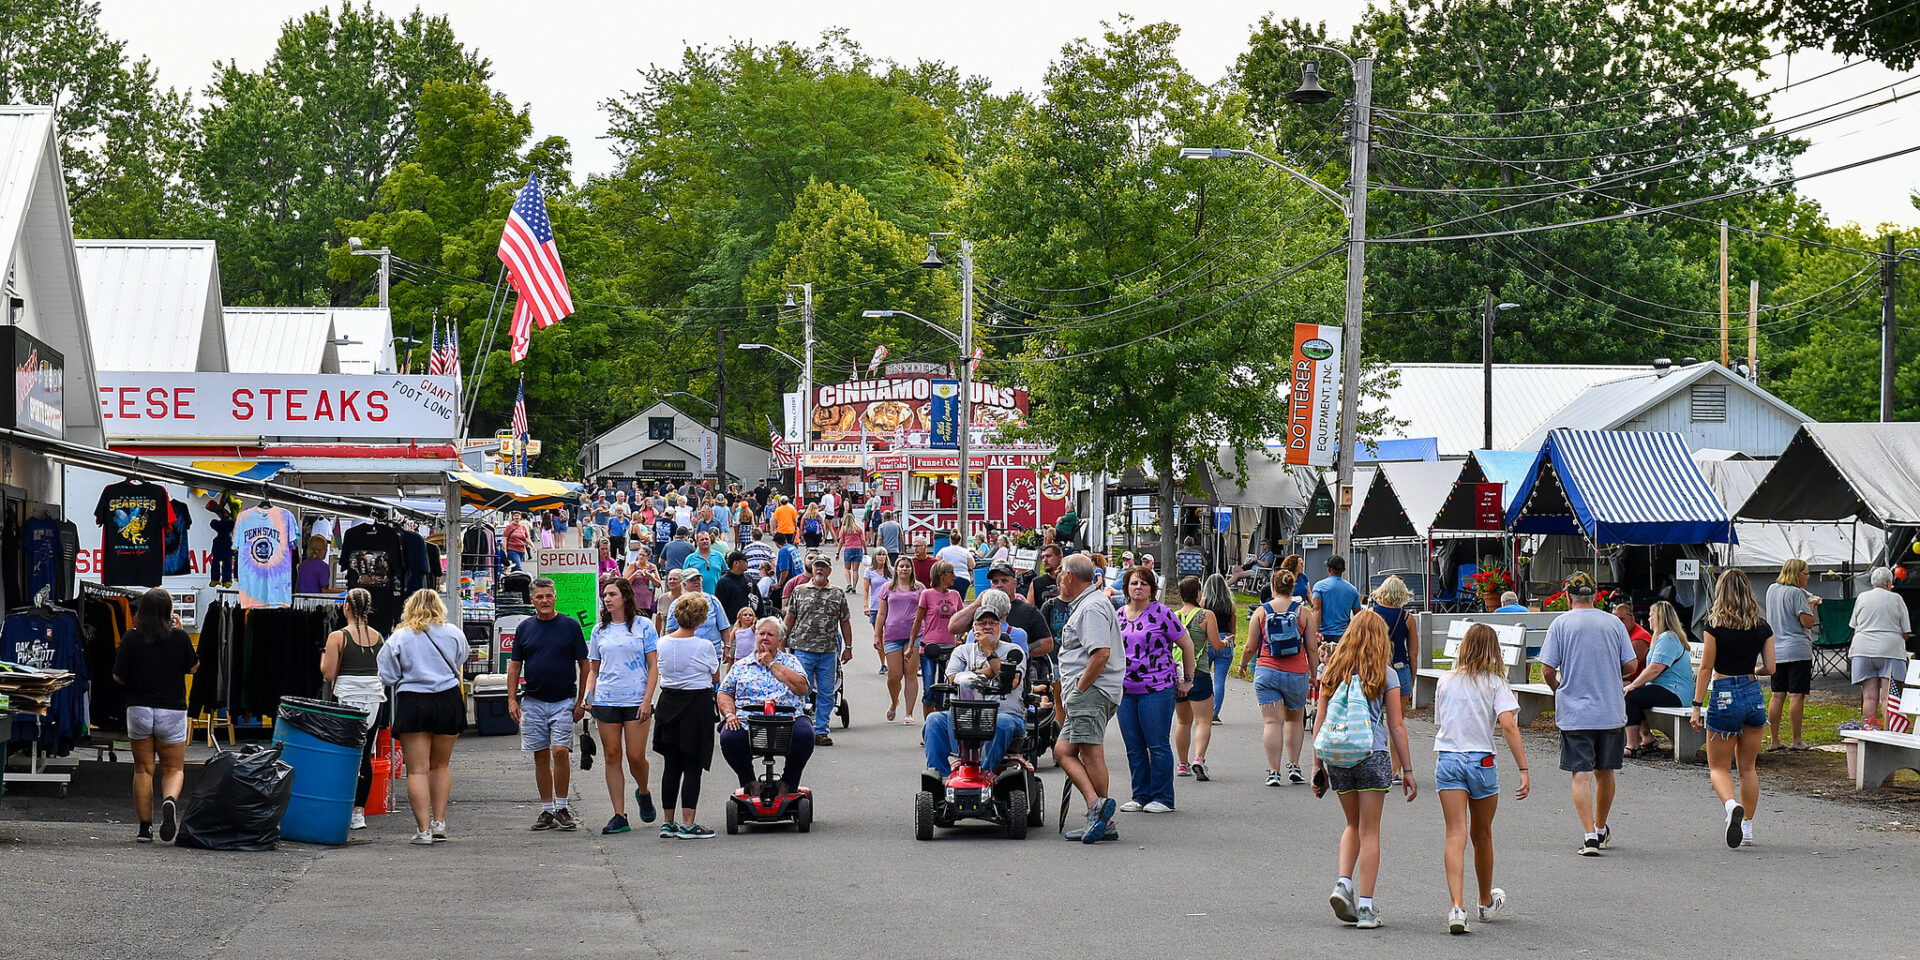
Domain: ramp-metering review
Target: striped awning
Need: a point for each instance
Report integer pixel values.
(1619, 486)
(244, 469)
(496, 492)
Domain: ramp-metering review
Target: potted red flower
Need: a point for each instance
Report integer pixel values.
(1489, 584)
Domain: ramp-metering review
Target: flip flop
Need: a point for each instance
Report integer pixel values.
(1803, 748)
(889, 716)
(909, 720)
(1776, 748)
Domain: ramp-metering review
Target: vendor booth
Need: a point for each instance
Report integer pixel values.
(1393, 525)
(1634, 500)
(1475, 510)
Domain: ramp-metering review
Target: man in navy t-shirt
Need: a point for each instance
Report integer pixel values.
(550, 655)
(1334, 601)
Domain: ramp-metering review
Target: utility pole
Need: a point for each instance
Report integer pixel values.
(720, 394)
(1486, 369)
(1753, 331)
(1727, 354)
(806, 393)
(966, 380)
(1356, 284)
(1889, 278)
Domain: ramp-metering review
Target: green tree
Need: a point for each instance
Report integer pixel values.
(122, 137)
(1149, 301)
(1885, 30)
(1835, 373)
(1502, 114)
(289, 151)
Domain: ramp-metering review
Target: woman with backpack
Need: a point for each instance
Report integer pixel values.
(1193, 711)
(1361, 730)
(1281, 636)
(812, 526)
(1471, 699)
(1390, 602)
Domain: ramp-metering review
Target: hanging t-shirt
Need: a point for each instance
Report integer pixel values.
(179, 552)
(265, 542)
(43, 557)
(372, 557)
(133, 517)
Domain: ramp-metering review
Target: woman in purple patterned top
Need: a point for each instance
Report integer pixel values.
(1150, 633)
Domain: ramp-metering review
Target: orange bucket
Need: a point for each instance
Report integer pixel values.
(377, 790)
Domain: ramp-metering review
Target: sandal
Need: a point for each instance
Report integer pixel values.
(889, 716)
(1634, 753)
(909, 720)
(1776, 748)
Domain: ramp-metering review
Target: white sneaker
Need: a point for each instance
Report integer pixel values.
(439, 830)
(1157, 807)
(1487, 911)
(359, 821)
(1294, 775)
(1746, 833)
(1457, 920)
(1273, 778)
(424, 838)
(1131, 806)
(1735, 817)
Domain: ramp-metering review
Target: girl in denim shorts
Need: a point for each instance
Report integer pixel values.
(1364, 656)
(1739, 649)
(1468, 703)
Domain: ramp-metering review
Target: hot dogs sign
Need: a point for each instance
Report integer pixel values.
(897, 407)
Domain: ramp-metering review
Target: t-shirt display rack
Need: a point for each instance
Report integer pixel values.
(213, 717)
(46, 766)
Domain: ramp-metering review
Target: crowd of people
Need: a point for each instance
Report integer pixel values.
(740, 607)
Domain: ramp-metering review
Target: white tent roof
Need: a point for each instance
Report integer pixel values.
(1767, 545)
(281, 340)
(153, 304)
(1419, 487)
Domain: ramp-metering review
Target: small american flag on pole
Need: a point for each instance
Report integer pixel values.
(782, 454)
(452, 348)
(436, 361)
(533, 268)
(1896, 721)
(520, 427)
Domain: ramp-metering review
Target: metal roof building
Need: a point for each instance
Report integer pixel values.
(281, 340)
(153, 304)
(366, 339)
(1444, 400)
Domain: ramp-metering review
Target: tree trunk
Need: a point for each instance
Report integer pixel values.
(1169, 514)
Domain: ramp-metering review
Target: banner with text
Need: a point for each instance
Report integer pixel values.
(576, 582)
(943, 420)
(330, 406)
(1313, 397)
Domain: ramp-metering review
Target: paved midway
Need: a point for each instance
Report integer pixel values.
(1241, 870)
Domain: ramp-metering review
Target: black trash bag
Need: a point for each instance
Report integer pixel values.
(239, 800)
(336, 723)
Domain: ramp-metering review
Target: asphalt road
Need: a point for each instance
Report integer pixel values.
(1240, 870)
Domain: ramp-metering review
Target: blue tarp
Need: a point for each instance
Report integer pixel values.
(1619, 486)
(1386, 451)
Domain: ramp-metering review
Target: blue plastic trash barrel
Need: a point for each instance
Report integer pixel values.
(321, 742)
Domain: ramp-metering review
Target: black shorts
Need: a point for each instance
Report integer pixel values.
(616, 714)
(1793, 676)
(1585, 750)
(1202, 689)
(443, 713)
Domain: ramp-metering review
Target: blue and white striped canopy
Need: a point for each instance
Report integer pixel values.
(1619, 486)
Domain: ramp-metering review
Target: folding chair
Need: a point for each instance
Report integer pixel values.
(1836, 636)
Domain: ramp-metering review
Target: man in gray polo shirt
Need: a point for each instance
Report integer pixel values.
(1586, 660)
(1093, 663)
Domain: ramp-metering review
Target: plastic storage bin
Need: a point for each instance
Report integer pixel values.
(490, 715)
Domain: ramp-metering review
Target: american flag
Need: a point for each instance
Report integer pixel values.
(533, 267)
(436, 361)
(520, 426)
(1896, 721)
(782, 454)
(452, 348)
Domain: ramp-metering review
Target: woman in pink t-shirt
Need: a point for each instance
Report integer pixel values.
(897, 608)
(853, 544)
(931, 632)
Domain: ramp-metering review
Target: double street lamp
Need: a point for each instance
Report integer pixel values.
(1354, 208)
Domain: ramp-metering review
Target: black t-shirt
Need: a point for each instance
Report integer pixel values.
(733, 593)
(549, 653)
(155, 674)
(133, 518)
(1045, 587)
(1027, 617)
(1055, 610)
(373, 558)
(1736, 651)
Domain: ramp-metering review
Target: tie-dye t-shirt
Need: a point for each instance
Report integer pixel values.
(264, 540)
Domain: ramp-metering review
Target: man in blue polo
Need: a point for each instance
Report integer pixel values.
(1334, 601)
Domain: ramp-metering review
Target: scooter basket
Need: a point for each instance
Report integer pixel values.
(772, 736)
(974, 719)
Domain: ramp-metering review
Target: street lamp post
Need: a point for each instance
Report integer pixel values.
(1486, 363)
(963, 340)
(806, 387)
(356, 247)
(1355, 209)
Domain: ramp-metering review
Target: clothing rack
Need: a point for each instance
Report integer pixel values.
(40, 765)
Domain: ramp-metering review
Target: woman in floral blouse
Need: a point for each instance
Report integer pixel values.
(1150, 633)
(771, 674)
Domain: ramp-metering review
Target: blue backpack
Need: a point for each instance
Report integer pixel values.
(1283, 631)
(1346, 732)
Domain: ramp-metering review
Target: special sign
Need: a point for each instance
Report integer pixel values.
(334, 406)
(1313, 397)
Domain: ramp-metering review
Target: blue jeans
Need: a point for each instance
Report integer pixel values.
(517, 558)
(1222, 668)
(1735, 704)
(1146, 726)
(941, 745)
(818, 668)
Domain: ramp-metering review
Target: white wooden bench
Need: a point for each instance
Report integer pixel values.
(1535, 699)
(1513, 649)
(1677, 722)
(1883, 752)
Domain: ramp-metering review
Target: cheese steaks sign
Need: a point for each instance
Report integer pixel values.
(331, 406)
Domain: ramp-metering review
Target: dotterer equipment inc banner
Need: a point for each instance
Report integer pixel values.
(1313, 396)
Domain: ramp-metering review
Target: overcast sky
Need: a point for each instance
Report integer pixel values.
(562, 57)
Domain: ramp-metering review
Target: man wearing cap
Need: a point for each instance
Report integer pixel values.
(1585, 659)
(713, 629)
(1020, 615)
(986, 656)
(819, 631)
